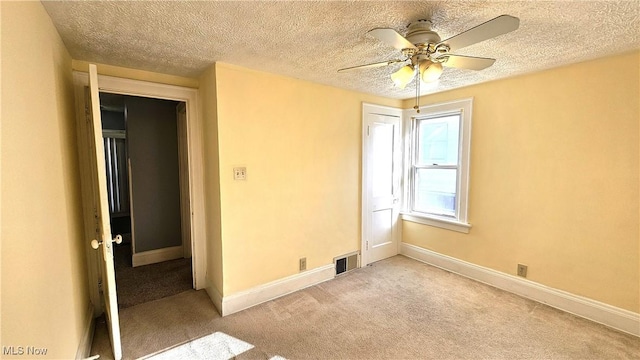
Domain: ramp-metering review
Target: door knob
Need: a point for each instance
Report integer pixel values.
(95, 243)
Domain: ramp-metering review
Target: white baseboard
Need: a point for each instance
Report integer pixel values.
(84, 347)
(263, 293)
(214, 295)
(156, 256)
(596, 311)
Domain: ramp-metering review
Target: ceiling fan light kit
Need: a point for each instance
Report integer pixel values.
(424, 52)
(430, 71)
(403, 76)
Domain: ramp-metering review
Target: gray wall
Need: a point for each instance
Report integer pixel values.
(152, 137)
(112, 120)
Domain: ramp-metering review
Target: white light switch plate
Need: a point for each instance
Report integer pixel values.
(239, 173)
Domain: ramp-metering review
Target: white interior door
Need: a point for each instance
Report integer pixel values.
(381, 166)
(104, 242)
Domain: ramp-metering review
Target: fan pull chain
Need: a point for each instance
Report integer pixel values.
(417, 106)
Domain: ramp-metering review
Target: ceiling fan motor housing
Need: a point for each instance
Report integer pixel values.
(420, 34)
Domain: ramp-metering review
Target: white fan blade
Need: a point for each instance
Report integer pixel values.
(492, 28)
(467, 62)
(367, 66)
(392, 38)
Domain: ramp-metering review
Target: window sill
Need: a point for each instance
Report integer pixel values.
(437, 222)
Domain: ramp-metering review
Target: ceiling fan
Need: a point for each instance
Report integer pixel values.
(425, 53)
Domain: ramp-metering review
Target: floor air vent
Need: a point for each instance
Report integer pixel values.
(346, 263)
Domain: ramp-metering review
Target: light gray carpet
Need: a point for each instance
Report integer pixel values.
(398, 308)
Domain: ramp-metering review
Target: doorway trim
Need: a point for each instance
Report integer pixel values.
(195, 167)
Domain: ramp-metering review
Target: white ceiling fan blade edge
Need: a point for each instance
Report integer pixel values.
(488, 30)
(368, 66)
(391, 37)
(467, 62)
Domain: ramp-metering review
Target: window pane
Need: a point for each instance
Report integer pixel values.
(435, 191)
(438, 140)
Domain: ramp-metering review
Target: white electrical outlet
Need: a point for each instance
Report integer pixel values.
(239, 173)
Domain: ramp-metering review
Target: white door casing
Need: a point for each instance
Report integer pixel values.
(104, 242)
(195, 164)
(183, 163)
(381, 175)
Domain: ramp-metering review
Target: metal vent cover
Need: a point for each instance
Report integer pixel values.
(347, 262)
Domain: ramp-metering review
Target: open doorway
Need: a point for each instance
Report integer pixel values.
(98, 234)
(148, 195)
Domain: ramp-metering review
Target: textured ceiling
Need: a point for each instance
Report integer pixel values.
(310, 40)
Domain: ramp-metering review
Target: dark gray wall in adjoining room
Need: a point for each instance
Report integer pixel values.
(152, 137)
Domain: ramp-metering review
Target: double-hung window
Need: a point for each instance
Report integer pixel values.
(438, 170)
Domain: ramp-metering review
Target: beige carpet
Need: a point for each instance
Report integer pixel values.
(149, 282)
(396, 309)
(216, 346)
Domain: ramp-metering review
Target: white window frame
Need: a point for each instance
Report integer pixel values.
(458, 222)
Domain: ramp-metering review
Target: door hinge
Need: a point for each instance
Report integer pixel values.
(367, 244)
(368, 130)
(96, 219)
(87, 114)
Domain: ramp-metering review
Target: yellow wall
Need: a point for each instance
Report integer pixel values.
(301, 145)
(208, 102)
(554, 179)
(45, 300)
